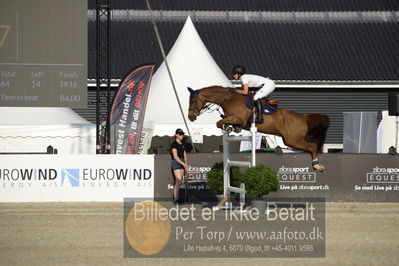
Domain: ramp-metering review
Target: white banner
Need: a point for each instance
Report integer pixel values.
(46, 178)
(197, 135)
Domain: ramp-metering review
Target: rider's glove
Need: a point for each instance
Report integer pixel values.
(232, 90)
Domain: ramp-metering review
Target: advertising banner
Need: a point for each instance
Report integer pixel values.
(372, 178)
(348, 177)
(49, 178)
(195, 178)
(128, 109)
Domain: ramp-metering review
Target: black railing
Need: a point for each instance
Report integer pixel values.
(50, 150)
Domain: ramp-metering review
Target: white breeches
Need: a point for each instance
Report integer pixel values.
(267, 88)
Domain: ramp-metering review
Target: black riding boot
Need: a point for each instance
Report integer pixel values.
(259, 117)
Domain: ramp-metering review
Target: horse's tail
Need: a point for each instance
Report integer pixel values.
(317, 129)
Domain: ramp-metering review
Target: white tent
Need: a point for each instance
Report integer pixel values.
(192, 66)
(32, 129)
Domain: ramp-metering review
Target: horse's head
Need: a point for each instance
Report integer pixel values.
(195, 105)
(202, 99)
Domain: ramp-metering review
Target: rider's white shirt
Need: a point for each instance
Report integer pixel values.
(266, 85)
(253, 80)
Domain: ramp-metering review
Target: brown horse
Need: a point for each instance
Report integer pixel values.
(306, 132)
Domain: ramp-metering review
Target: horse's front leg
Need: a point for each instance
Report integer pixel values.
(229, 120)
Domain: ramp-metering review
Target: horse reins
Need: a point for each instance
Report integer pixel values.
(208, 106)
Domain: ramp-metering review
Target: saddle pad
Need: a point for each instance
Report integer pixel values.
(267, 108)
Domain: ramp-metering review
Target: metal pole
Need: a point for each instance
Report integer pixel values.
(107, 127)
(226, 172)
(396, 134)
(168, 69)
(103, 43)
(98, 122)
(253, 141)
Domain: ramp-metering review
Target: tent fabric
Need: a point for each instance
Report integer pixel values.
(33, 129)
(191, 65)
(39, 116)
(203, 129)
(387, 132)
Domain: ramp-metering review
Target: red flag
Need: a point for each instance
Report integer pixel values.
(128, 109)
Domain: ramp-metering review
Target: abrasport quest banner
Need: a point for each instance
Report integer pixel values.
(128, 109)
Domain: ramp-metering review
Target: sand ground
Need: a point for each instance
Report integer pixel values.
(92, 234)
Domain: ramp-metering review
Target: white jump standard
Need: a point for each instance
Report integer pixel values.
(227, 163)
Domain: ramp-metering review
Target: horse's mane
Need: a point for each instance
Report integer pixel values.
(215, 92)
(215, 87)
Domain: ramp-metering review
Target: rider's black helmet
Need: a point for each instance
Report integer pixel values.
(239, 69)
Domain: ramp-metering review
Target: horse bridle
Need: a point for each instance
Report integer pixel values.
(207, 106)
(196, 112)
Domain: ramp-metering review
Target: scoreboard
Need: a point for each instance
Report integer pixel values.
(43, 53)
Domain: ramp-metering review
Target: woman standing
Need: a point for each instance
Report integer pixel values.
(179, 162)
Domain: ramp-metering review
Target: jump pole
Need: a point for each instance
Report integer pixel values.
(226, 204)
(169, 72)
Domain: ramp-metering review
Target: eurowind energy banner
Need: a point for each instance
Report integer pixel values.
(128, 109)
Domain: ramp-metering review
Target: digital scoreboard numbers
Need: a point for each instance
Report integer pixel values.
(43, 53)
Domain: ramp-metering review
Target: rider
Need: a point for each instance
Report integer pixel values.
(264, 86)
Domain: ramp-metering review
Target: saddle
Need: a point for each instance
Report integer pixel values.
(269, 105)
(264, 100)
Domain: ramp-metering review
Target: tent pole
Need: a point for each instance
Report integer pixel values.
(169, 72)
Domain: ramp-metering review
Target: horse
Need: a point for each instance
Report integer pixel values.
(306, 132)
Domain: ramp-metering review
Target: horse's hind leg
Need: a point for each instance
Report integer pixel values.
(307, 146)
(315, 161)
